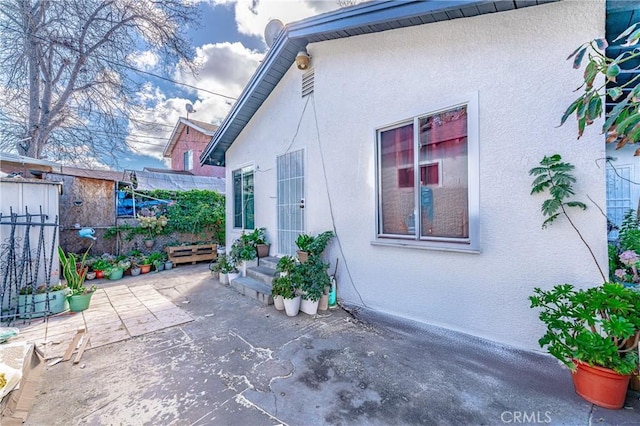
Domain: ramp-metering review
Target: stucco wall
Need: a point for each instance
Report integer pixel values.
(516, 64)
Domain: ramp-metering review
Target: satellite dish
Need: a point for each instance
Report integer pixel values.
(272, 30)
(189, 108)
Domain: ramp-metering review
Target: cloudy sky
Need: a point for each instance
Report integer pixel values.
(229, 44)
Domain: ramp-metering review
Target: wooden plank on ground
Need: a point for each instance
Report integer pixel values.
(82, 348)
(73, 344)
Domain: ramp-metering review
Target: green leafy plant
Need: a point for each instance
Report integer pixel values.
(225, 265)
(100, 264)
(622, 124)
(41, 289)
(243, 248)
(314, 245)
(197, 212)
(74, 271)
(599, 326)
(156, 258)
(312, 276)
(257, 236)
(629, 234)
(283, 286)
(554, 177)
(286, 264)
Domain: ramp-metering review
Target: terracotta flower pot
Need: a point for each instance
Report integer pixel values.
(601, 386)
(302, 256)
(145, 269)
(263, 250)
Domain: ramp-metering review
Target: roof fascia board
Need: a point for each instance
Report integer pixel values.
(177, 131)
(375, 13)
(173, 139)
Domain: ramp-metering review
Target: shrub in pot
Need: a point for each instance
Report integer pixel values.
(32, 304)
(99, 266)
(313, 279)
(282, 285)
(598, 327)
(79, 296)
(595, 331)
(224, 266)
(258, 239)
(243, 251)
(312, 245)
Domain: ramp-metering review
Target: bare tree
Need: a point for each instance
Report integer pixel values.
(68, 85)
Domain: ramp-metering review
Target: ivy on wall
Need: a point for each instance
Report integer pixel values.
(198, 212)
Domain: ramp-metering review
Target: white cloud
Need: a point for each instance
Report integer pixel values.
(253, 15)
(225, 68)
(146, 60)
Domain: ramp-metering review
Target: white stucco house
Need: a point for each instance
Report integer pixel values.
(411, 134)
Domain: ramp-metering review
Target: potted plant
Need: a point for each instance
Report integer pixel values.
(244, 253)
(314, 279)
(117, 270)
(157, 259)
(280, 287)
(79, 296)
(32, 304)
(303, 242)
(225, 266)
(595, 332)
(258, 239)
(145, 265)
(99, 266)
(135, 267)
(312, 245)
(153, 224)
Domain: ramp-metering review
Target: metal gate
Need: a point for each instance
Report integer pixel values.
(27, 250)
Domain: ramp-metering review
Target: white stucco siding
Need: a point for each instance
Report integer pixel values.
(515, 63)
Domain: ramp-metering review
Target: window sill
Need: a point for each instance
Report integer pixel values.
(422, 245)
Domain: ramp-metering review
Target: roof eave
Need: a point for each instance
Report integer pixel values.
(331, 25)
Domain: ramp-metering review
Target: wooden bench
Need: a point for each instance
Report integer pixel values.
(192, 254)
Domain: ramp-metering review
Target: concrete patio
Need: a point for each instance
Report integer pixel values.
(241, 363)
(117, 312)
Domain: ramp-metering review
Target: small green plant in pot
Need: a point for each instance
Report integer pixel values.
(312, 245)
(74, 271)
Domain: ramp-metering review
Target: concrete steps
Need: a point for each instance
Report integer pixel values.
(257, 283)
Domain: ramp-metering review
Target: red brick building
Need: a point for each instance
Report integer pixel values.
(188, 140)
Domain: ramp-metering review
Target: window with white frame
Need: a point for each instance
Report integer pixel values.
(427, 179)
(243, 215)
(187, 161)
